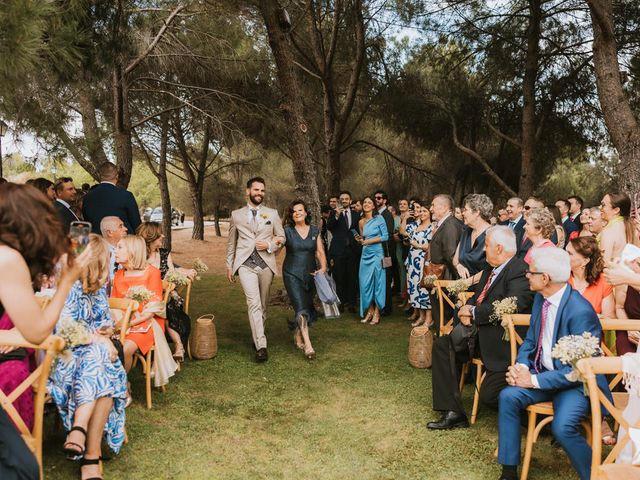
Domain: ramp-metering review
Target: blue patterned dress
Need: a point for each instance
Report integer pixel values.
(87, 373)
(418, 296)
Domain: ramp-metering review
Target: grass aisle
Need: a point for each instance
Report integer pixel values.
(357, 412)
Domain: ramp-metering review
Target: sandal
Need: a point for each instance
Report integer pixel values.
(178, 356)
(608, 437)
(72, 453)
(297, 339)
(91, 461)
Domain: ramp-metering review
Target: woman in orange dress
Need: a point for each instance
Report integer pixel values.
(131, 253)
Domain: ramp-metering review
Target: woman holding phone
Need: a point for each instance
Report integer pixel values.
(419, 234)
(32, 240)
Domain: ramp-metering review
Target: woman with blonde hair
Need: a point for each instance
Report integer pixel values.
(179, 323)
(539, 227)
(89, 386)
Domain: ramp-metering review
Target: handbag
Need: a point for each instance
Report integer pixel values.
(431, 270)
(463, 338)
(386, 260)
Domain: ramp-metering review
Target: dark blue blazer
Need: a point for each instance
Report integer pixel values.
(66, 215)
(569, 227)
(105, 200)
(343, 242)
(574, 317)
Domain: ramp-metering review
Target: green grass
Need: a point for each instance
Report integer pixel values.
(357, 412)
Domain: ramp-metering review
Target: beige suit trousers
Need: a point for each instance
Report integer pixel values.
(256, 283)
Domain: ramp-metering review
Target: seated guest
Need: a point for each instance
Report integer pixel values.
(558, 310)
(65, 198)
(179, 326)
(89, 385)
(45, 186)
(131, 253)
(31, 243)
(539, 228)
(470, 257)
(113, 230)
(505, 276)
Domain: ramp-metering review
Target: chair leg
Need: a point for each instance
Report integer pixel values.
(463, 374)
(189, 349)
(528, 448)
(476, 394)
(147, 377)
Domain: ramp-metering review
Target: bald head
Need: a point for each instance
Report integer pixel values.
(112, 229)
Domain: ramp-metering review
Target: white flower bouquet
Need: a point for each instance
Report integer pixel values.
(506, 306)
(456, 288)
(176, 277)
(72, 332)
(572, 348)
(200, 267)
(139, 293)
(428, 281)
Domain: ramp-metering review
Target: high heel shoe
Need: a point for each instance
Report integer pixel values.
(92, 461)
(415, 315)
(376, 319)
(418, 322)
(368, 317)
(178, 355)
(297, 339)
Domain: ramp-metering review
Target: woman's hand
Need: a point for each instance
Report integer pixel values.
(7, 349)
(462, 271)
(320, 270)
(634, 336)
(616, 274)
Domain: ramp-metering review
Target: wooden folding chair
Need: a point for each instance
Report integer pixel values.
(38, 381)
(185, 293)
(440, 285)
(607, 469)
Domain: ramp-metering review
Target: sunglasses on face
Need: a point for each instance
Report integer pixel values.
(527, 207)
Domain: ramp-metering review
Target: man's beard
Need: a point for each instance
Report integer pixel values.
(256, 200)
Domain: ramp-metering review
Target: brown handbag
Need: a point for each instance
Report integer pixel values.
(430, 270)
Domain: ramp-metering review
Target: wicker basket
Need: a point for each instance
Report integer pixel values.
(420, 345)
(204, 341)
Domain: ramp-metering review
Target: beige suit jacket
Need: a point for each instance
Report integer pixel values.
(242, 238)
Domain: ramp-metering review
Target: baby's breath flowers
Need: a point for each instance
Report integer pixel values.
(139, 293)
(506, 306)
(572, 348)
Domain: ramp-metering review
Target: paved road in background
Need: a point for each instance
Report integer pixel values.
(189, 224)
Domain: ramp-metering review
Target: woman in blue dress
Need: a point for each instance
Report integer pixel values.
(372, 277)
(304, 246)
(88, 383)
(419, 234)
(470, 259)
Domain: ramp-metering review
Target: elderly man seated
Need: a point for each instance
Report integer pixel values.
(558, 311)
(504, 277)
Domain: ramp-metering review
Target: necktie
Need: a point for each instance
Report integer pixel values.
(346, 218)
(254, 212)
(537, 361)
(484, 291)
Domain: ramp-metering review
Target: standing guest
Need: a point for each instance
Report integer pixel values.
(585, 219)
(31, 243)
(106, 199)
(561, 236)
(304, 247)
(373, 233)
(325, 211)
(575, 210)
(571, 230)
(255, 235)
(333, 202)
(401, 251)
(539, 228)
(458, 214)
(131, 253)
(626, 279)
(504, 276)
(357, 206)
(470, 256)
(558, 310)
(419, 234)
(113, 230)
(46, 186)
(515, 217)
(444, 242)
(343, 252)
(392, 276)
(596, 222)
(503, 216)
(89, 386)
(65, 197)
(179, 323)
(616, 210)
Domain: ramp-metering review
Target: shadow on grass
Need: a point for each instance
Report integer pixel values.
(357, 412)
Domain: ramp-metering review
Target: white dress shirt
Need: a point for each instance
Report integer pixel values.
(442, 220)
(112, 262)
(547, 334)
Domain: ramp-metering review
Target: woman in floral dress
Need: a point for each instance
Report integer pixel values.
(419, 233)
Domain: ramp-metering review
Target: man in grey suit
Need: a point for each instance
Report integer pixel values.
(255, 235)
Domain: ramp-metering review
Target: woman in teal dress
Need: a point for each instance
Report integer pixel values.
(373, 232)
(304, 246)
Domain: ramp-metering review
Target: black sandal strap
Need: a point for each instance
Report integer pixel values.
(90, 461)
(77, 428)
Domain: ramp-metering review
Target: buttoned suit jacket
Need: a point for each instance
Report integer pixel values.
(444, 243)
(242, 237)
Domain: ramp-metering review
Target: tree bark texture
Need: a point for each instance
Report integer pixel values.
(304, 170)
(165, 197)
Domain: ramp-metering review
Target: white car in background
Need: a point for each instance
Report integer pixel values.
(156, 215)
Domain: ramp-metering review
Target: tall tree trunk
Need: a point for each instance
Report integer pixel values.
(529, 100)
(304, 170)
(164, 184)
(217, 218)
(198, 212)
(122, 128)
(619, 117)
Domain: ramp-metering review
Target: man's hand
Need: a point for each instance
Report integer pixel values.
(230, 276)
(519, 376)
(261, 245)
(465, 315)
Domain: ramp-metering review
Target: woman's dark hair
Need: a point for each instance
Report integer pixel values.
(30, 224)
(588, 248)
(555, 211)
(42, 184)
(374, 212)
(289, 214)
(623, 202)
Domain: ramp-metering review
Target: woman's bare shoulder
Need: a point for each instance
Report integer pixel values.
(10, 255)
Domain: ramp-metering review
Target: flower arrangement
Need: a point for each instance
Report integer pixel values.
(176, 277)
(72, 332)
(139, 293)
(200, 267)
(572, 348)
(428, 281)
(456, 288)
(506, 306)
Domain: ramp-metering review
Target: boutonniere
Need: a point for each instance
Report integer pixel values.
(263, 216)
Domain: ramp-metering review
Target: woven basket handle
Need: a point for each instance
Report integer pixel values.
(208, 316)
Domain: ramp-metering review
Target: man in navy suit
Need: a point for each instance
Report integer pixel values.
(571, 230)
(343, 251)
(515, 217)
(65, 196)
(106, 200)
(558, 310)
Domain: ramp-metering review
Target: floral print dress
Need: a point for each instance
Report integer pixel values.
(418, 296)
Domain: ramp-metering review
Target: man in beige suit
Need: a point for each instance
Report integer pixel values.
(255, 235)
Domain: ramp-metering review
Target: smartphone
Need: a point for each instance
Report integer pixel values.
(79, 235)
(355, 233)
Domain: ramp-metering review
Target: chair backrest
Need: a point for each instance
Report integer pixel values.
(127, 306)
(43, 301)
(616, 325)
(186, 296)
(38, 381)
(589, 368)
(167, 288)
(515, 340)
(440, 285)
